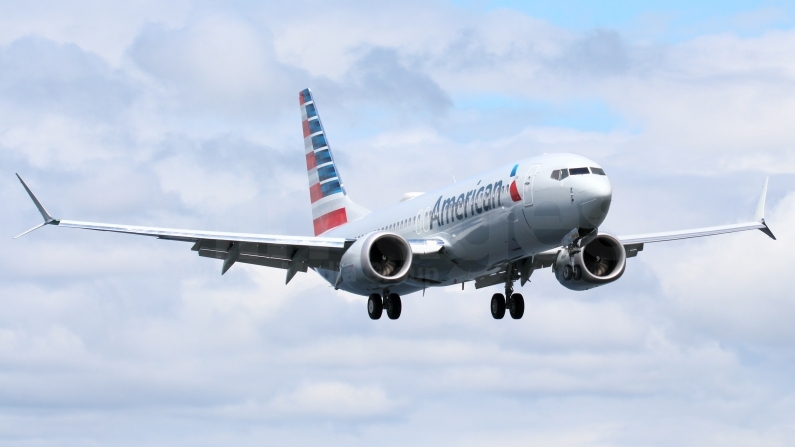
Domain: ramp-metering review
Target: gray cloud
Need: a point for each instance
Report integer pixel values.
(217, 63)
(379, 75)
(37, 74)
(602, 52)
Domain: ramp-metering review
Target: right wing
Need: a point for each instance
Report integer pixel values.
(292, 253)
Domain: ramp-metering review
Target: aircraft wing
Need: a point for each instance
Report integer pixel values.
(636, 241)
(293, 253)
(697, 232)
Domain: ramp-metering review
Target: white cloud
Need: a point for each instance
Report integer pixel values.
(335, 400)
(185, 115)
(731, 286)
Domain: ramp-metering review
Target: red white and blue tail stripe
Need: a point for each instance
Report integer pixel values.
(331, 206)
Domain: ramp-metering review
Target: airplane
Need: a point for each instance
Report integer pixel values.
(494, 228)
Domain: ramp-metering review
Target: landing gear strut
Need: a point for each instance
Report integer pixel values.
(514, 302)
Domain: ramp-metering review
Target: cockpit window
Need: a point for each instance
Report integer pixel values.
(555, 174)
(598, 171)
(579, 171)
(564, 173)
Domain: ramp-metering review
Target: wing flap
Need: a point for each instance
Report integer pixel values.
(258, 249)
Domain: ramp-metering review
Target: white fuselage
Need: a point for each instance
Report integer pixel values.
(485, 224)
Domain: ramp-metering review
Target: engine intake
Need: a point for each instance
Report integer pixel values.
(378, 259)
(600, 262)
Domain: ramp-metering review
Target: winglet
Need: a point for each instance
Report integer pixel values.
(760, 211)
(44, 214)
(760, 207)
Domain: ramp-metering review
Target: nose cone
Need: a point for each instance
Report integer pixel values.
(595, 202)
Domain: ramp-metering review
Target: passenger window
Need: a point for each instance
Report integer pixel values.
(598, 171)
(579, 171)
(555, 174)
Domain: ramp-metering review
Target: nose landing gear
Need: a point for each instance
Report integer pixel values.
(514, 302)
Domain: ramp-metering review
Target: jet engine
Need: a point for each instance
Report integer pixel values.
(600, 262)
(376, 260)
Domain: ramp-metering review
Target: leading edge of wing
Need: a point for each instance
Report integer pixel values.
(194, 235)
(687, 234)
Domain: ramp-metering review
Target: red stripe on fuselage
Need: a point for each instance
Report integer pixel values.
(515, 192)
(311, 161)
(330, 220)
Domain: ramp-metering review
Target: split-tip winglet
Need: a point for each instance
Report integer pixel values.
(44, 214)
(760, 211)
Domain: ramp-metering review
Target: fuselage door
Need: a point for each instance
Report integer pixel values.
(528, 185)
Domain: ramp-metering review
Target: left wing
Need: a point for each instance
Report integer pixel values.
(757, 224)
(523, 268)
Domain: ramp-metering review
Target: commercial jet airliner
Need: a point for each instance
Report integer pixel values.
(496, 227)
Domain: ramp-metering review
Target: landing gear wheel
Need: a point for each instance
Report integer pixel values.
(498, 306)
(516, 306)
(393, 306)
(577, 273)
(567, 272)
(374, 306)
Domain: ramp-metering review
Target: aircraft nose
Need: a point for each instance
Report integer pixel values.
(595, 202)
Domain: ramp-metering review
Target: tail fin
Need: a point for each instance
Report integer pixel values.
(331, 206)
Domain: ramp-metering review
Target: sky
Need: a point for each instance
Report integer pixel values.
(184, 114)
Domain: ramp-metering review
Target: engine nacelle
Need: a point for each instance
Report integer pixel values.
(600, 262)
(376, 260)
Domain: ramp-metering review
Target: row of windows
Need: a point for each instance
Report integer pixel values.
(395, 226)
(560, 174)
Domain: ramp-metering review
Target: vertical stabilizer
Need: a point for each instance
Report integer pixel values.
(331, 206)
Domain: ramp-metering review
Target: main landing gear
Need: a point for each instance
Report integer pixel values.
(514, 302)
(376, 305)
